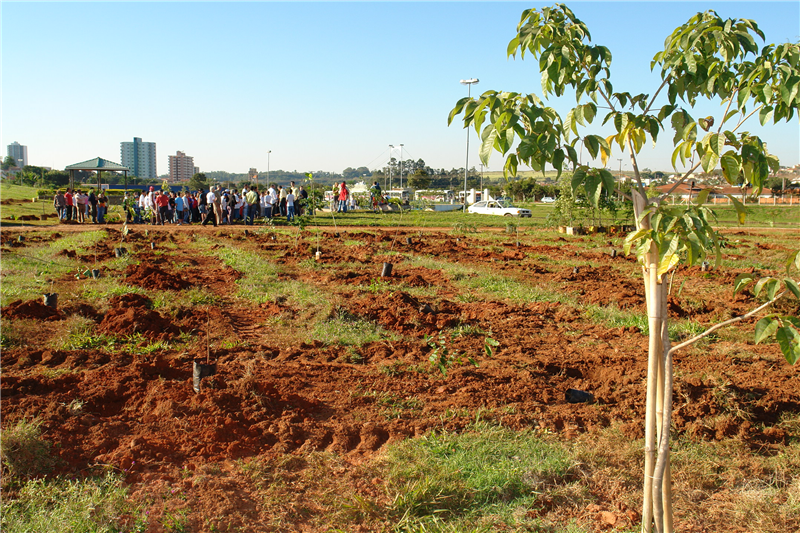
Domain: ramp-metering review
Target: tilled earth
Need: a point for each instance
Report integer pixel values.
(278, 390)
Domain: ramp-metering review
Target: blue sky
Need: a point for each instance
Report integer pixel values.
(324, 86)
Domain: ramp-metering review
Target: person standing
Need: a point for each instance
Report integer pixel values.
(162, 201)
(140, 207)
(252, 204)
(289, 206)
(60, 203)
(93, 206)
(302, 201)
(343, 194)
(282, 200)
(81, 203)
(210, 199)
(70, 203)
(179, 209)
(102, 207)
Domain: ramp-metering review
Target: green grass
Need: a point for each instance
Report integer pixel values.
(484, 479)
(91, 505)
(23, 452)
(346, 329)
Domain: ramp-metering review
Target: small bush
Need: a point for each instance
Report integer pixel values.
(24, 453)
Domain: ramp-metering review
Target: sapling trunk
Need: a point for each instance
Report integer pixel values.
(650, 275)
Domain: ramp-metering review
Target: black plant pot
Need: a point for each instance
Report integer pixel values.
(387, 270)
(200, 371)
(50, 300)
(579, 396)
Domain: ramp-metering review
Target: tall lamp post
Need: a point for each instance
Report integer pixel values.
(391, 149)
(469, 84)
(266, 185)
(401, 166)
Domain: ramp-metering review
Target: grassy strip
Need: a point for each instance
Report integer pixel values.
(348, 330)
(26, 271)
(91, 505)
(474, 481)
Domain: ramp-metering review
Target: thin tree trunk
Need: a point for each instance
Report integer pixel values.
(666, 483)
(651, 285)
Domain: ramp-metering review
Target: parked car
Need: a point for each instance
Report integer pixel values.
(496, 207)
(547, 200)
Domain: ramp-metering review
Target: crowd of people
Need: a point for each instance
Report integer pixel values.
(81, 207)
(216, 206)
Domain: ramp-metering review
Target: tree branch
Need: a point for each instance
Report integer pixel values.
(685, 176)
(747, 117)
(714, 328)
(653, 100)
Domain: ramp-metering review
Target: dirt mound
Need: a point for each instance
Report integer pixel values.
(150, 276)
(130, 300)
(30, 309)
(126, 321)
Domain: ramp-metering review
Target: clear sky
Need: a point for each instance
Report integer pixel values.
(324, 85)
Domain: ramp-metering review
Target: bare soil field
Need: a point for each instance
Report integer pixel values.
(284, 388)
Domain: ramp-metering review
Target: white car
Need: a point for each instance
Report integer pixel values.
(495, 207)
(547, 200)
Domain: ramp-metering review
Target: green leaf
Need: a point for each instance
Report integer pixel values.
(789, 341)
(730, 167)
(768, 283)
(792, 286)
(703, 196)
(593, 189)
(765, 328)
(489, 135)
(577, 178)
(794, 259)
(765, 114)
(742, 280)
(633, 237)
(741, 210)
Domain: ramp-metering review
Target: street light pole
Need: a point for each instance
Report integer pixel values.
(391, 149)
(469, 84)
(401, 166)
(267, 184)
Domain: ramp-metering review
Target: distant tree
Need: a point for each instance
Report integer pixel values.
(363, 172)
(56, 178)
(198, 181)
(419, 179)
(9, 162)
(349, 173)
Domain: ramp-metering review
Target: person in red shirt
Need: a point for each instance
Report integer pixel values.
(162, 201)
(70, 204)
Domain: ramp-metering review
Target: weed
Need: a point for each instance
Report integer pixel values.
(441, 356)
(23, 451)
(393, 369)
(59, 506)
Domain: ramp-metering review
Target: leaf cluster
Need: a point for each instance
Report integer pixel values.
(783, 328)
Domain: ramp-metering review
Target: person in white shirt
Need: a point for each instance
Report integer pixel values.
(210, 199)
(290, 206)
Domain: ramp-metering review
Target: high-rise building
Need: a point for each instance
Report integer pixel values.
(181, 167)
(140, 157)
(19, 152)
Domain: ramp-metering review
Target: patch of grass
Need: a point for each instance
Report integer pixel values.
(613, 317)
(474, 481)
(23, 452)
(79, 335)
(505, 288)
(96, 505)
(349, 330)
(107, 287)
(8, 334)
